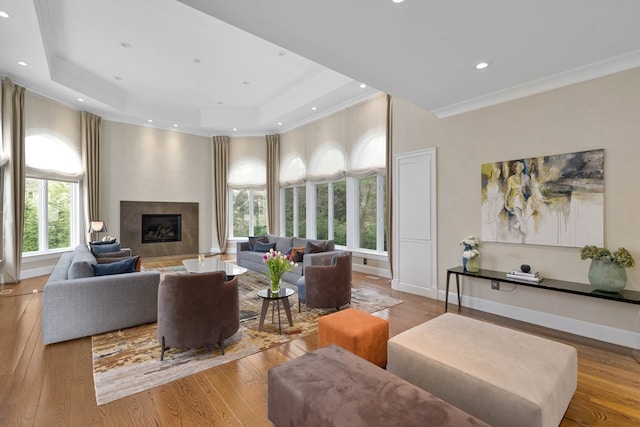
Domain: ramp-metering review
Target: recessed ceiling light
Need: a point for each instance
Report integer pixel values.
(196, 60)
(314, 108)
(150, 121)
(362, 85)
(125, 44)
(81, 99)
(175, 125)
(279, 123)
(24, 64)
(246, 82)
(235, 129)
(3, 14)
(397, 1)
(117, 78)
(482, 65)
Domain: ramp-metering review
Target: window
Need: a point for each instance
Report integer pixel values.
(371, 206)
(249, 212)
(295, 211)
(52, 201)
(331, 212)
(49, 215)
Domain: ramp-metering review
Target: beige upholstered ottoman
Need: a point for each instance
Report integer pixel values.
(504, 377)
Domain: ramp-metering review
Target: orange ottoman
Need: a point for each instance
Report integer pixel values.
(359, 332)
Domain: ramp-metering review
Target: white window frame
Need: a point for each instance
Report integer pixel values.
(251, 214)
(43, 216)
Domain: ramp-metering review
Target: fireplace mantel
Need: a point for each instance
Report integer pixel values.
(131, 228)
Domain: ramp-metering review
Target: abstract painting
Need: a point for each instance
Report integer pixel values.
(553, 200)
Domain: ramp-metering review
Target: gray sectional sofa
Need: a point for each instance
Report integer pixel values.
(253, 259)
(76, 303)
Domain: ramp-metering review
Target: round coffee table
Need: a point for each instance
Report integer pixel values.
(268, 297)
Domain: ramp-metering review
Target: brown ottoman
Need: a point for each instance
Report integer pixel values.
(359, 332)
(332, 387)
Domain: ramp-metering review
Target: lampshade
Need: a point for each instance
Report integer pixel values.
(97, 227)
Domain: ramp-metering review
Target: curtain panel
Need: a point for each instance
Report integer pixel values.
(273, 188)
(13, 136)
(90, 134)
(220, 171)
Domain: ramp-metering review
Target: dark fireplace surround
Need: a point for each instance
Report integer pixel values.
(162, 234)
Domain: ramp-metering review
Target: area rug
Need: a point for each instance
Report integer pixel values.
(127, 361)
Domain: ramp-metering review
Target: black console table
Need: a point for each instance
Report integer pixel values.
(631, 297)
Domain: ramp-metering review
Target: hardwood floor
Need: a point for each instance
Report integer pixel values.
(53, 385)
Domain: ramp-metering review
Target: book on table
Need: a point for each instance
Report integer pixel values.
(533, 277)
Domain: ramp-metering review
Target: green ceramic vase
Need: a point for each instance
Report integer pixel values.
(473, 264)
(607, 276)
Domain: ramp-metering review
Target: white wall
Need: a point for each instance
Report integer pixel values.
(602, 113)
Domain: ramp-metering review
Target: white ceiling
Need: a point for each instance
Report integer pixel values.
(212, 72)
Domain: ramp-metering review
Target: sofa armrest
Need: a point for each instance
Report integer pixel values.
(81, 307)
(242, 246)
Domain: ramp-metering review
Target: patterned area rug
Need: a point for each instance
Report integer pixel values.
(127, 361)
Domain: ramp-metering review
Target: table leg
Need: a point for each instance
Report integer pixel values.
(279, 325)
(263, 313)
(287, 309)
(458, 289)
(446, 293)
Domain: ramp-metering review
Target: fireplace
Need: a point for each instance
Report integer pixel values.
(159, 228)
(168, 228)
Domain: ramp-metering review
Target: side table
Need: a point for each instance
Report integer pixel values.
(268, 297)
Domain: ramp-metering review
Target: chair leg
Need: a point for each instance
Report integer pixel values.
(221, 343)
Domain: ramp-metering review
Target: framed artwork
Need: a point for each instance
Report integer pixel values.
(551, 200)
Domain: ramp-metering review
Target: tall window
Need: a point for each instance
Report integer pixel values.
(249, 212)
(295, 221)
(372, 223)
(52, 201)
(49, 214)
(331, 212)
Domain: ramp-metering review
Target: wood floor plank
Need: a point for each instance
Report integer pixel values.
(53, 385)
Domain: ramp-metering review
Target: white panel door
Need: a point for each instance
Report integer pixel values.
(414, 246)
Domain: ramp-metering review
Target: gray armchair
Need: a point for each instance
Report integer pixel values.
(197, 310)
(326, 286)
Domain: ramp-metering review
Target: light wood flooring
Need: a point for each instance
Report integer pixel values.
(53, 385)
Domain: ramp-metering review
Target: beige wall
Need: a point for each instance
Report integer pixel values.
(153, 165)
(602, 113)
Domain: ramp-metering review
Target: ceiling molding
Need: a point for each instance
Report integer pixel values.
(577, 75)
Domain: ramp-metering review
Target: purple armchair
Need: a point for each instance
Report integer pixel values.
(197, 310)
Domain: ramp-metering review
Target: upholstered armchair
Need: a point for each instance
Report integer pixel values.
(197, 310)
(326, 286)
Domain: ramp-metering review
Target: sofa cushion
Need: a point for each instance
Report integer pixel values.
(122, 253)
(101, 249)
(127, 265)
(264, 247)
(282, 243)
(80, 270)
(314, 248)
(295, 254)
(254, 239)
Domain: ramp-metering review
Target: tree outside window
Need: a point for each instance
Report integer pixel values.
(249, 207)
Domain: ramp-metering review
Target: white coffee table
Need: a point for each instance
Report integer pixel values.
(208, 265)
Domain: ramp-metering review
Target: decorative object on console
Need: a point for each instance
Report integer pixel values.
(607, 270)
(278, 265)
(97, 227)
(526, 276)
(470, 254)
(525, 268)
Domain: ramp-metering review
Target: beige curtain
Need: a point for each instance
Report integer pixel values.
(13, 136)
(91, 164)
(273, 179)
(389, 183)
(220, 171)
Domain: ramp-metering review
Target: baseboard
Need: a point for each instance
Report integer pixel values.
(582, 328)
(413, 289)
(35, 272)
(374, 271)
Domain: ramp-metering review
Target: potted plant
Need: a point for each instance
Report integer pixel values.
(470, 254)
(277, 264)
(607, 270)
